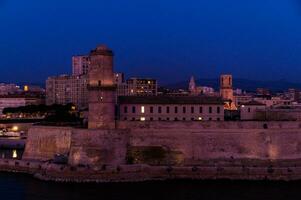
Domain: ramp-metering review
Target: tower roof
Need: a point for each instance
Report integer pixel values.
(102, 50)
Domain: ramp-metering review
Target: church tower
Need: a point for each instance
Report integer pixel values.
(226, 91)
(192, 86)
(102, 89)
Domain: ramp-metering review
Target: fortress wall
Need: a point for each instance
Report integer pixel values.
(184, 143)
(207, 125)
(197, 141)
(223, 144)
(98, 147)
(43, 142)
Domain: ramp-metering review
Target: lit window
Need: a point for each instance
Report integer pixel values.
(142, 119)
(142, 109)
(200, 118)
(15, 155)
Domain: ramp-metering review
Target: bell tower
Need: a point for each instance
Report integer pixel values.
(102, 90)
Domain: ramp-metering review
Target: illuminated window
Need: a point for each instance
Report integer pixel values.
(200, 118)
(15, 155)
(142, 109)
(142, 119)
(26, 88)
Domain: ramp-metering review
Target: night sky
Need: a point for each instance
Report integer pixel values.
(165, 39)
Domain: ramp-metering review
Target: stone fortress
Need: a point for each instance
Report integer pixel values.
(150, 148)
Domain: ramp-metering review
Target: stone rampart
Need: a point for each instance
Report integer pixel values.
(43, 142)
(167, 143)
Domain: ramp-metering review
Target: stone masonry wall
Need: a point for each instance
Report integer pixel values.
(168, 143)
(98, 147)
(43, 142)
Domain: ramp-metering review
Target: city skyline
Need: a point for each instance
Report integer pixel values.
(163, 40)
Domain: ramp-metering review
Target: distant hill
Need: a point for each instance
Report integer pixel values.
(244, 84)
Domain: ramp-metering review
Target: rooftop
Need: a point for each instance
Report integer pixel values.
(170, 100)
(254, 103)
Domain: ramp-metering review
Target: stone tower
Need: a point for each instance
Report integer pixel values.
(226, 90)
(102, 89)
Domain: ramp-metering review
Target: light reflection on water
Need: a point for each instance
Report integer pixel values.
(11, 153)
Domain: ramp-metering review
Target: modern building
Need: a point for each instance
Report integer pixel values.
(142, 87)
(6, 89)
(80, 65)
(66, 89)
(170, 108)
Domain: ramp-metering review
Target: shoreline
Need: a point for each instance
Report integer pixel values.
(141, 173)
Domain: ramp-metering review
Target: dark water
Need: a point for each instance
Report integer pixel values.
(18, 186)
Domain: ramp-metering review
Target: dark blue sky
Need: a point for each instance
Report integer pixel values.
(166, 39)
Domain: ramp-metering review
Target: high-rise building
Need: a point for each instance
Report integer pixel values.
(80, 65)
(102, 89)
(66, 89)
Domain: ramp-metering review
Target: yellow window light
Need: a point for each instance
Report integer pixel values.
(142, 109)
(15, 128)
(26, 88)
(15, 155)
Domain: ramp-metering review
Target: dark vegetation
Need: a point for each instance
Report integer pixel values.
(53, 115)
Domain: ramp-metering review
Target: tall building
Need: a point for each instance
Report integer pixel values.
(66, 89)
(142, 87)
(80, 65)
(102, 89)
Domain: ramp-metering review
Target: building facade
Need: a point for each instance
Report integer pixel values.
(67, 89)
(142, 87)
(248, 111)
(80, 65)
(170, 108)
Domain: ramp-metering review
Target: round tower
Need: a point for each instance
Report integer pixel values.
(102, 90)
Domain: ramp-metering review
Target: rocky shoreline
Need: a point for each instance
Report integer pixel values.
(136, 173)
